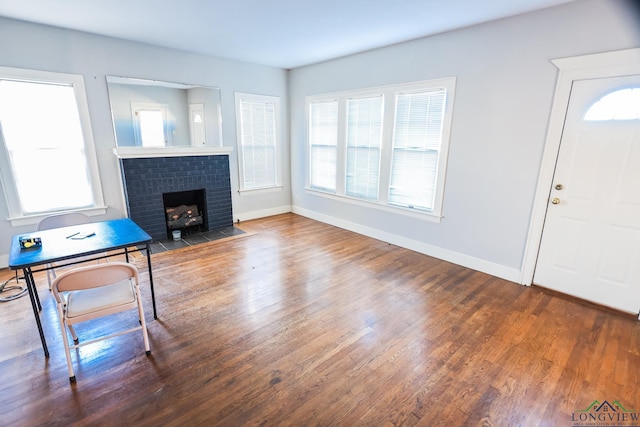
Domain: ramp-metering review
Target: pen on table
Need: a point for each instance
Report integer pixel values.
(74, 234)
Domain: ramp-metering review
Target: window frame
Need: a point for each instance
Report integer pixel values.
(277, 162)
(390, 93)
(17, 216)
(353, 180)
(313, 143)
(136, 108)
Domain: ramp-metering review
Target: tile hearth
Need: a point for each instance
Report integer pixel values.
(164, 245)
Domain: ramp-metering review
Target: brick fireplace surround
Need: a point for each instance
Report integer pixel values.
(146, 179)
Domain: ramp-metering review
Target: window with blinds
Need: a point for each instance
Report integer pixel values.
(364, 137)
(258, 133)
(417, 139)
(385, 145)
(323, 144)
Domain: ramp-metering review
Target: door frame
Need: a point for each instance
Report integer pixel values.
(600, 65)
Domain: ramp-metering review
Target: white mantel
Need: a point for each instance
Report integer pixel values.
(140, 152)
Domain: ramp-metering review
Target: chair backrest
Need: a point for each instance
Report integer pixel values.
(94, 276)
(63, 220)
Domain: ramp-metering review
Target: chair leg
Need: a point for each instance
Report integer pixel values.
(51, 274)
(65, 341)
(143, 322)
(73, 334)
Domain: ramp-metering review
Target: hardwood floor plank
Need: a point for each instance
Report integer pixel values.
(301, 323)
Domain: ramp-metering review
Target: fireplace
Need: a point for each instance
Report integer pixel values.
(185, 211)
(204, 180)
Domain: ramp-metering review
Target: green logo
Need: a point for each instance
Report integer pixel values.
(606, 414)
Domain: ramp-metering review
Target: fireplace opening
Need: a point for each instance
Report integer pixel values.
(185, 211)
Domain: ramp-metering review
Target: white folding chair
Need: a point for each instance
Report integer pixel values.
(57, 221)
(95, 291)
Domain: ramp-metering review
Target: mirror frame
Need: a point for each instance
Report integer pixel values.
(201, 103)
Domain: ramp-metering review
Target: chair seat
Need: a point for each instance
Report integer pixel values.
(103, 298)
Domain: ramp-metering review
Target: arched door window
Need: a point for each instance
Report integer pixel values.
(622, 104)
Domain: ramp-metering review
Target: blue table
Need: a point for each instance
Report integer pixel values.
(111, 238)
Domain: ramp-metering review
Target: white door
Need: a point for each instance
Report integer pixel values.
(590, 245)
(196, 125)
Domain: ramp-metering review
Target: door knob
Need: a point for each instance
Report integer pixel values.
(555, 201)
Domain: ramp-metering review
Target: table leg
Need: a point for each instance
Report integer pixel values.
(35, 289)
(35, 303)
(153, 294)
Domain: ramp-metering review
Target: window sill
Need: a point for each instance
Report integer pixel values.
(19, 221)
(414, 213)
(254, 191)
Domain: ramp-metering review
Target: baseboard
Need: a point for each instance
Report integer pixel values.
(497, 270)
(246, 216)
(4, 261)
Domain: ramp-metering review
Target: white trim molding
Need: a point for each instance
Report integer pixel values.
(246, 216)
(467, 261)
(594, 66)
(145, 152)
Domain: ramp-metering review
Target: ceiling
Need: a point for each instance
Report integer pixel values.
(280, 33)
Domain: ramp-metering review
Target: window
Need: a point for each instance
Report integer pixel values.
(417, 141)
(323, 143)
(623, 104)
(364, 135)
(47, 158)
(258, 119)
(150, 124)
(386, 145)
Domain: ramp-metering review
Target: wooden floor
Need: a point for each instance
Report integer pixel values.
(300, 323)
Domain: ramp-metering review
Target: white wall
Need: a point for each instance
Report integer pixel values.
(25, 45)
(504, 90)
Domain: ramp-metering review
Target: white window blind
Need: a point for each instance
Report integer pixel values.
(364, 136)
(258, 141)
(323, 144)
(416, 148)
(43, 138)
(391, 146)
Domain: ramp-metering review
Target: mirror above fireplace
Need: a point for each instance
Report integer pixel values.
(151, 114)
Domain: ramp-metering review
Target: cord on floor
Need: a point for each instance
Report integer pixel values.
(5, 288)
